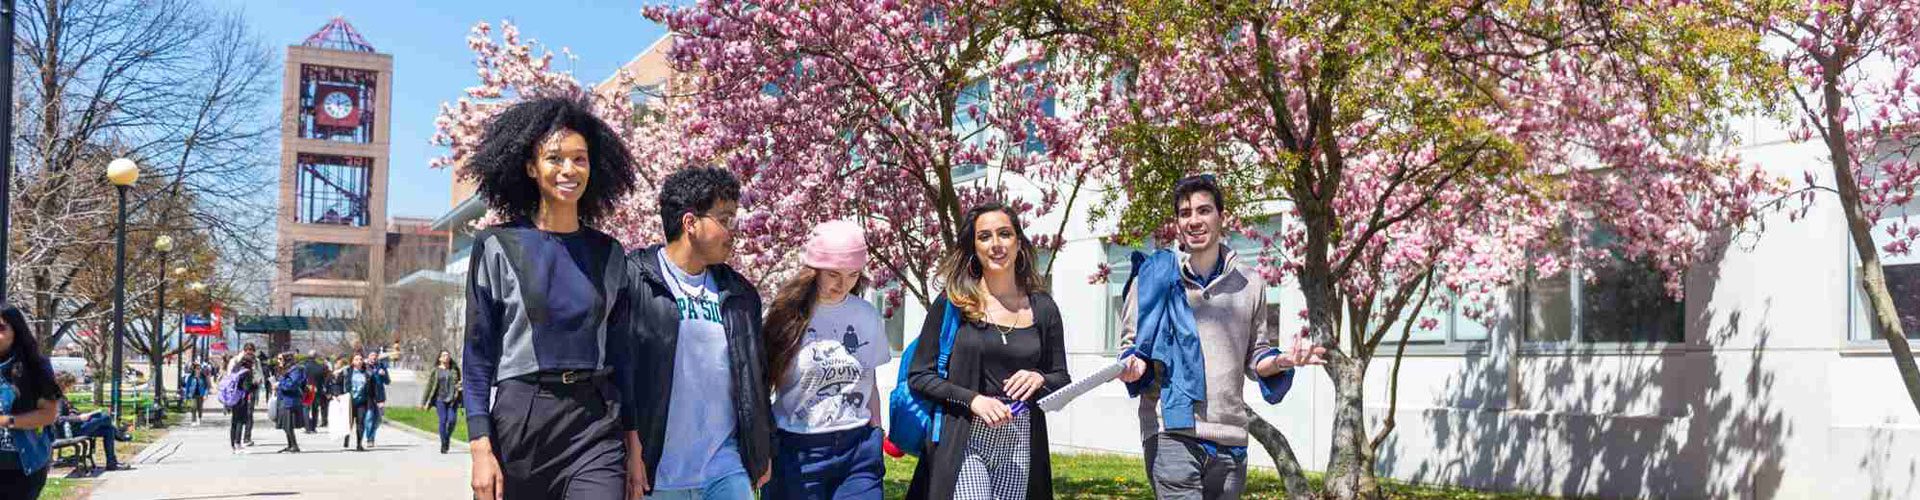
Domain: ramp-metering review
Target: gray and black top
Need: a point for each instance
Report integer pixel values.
(539, 302)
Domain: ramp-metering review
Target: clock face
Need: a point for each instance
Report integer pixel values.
(337, 105)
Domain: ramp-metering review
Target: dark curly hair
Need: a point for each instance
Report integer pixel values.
(30, 371)
(512, 139)
(694, 190)
(1203, 183)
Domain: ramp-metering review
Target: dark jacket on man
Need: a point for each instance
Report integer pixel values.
(654, 320)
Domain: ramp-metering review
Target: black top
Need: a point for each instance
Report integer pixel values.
(1041, 348)
(1001, 357)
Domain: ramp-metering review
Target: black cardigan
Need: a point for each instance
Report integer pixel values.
(939, 466)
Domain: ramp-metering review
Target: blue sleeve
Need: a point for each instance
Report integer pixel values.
(1274, 388)
(480, 359)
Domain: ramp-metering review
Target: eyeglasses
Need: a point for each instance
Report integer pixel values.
(728, 223)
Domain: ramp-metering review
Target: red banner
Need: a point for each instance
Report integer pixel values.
(336, 106)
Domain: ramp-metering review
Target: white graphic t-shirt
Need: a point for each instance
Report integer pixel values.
(831, 381)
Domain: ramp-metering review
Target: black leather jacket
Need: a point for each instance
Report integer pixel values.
(654, 320)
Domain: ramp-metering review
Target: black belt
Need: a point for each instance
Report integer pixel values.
(567, 377)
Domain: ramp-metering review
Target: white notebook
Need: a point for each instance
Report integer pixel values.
(1059, 399)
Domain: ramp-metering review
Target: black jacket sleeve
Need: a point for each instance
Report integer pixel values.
(923, 374)
(621, 342)
(1053, 344)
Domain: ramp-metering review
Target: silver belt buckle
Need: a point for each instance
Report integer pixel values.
(567, 377)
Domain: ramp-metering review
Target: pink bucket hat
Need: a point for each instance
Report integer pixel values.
(838, 244)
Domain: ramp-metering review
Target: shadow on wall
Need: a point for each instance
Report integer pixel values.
(1680, 422)
(1888, 480)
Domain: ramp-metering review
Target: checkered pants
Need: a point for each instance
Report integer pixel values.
(994, 467)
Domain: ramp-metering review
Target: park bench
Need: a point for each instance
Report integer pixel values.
(69, 450)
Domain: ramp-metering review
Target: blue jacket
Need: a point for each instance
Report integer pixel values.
(1167, 336)
(376, 388)
(293, 387)
(36, 445)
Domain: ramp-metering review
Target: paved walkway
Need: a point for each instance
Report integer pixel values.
(194, 463)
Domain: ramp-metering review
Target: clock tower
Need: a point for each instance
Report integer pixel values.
(332, 219)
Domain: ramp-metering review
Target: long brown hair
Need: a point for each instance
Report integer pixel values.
(788, 318)
(962, 272)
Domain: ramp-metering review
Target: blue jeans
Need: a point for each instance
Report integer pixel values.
(101, 426)
(734, 486)
(449, 414)
(844, 465)
(370, 422)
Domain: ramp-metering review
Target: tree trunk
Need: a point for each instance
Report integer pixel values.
(1873, 278)
(1349, 467)
(1284, 462)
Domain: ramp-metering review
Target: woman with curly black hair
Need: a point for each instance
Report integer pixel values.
(545, 412)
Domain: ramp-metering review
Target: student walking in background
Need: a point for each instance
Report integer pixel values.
(292, 389)
(443, 396)
(1007, 353)
(236, 393)
(823, 343)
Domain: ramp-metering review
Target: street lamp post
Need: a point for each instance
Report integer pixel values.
(122, 173)
(156, 339)
(179, 359)
(199, 350)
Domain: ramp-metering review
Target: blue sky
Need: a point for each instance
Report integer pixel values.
(431, 62)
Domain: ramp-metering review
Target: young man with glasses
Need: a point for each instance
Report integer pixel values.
(704, 417)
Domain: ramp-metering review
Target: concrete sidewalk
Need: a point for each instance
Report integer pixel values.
(194, 462)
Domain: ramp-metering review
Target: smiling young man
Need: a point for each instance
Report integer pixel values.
(1196, 316)
(699, 372)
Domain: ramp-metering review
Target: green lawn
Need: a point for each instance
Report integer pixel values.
(425, 420)
(1123, 476)
(1075, 476)
(57, 488)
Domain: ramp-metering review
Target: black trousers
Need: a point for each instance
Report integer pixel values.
(559, 440)
(318, 415)
(357, 417)
(242, 423)
(15, 484)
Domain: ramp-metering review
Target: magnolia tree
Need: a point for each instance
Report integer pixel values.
(1855, 92)
(511, 70)
(1419, 151)
(877, 111)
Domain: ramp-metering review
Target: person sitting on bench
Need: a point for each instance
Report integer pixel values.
(93, 424)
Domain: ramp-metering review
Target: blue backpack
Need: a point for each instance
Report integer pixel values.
(913, 421)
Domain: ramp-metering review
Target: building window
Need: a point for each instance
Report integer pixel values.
(336, 104)
(1451, 323)
(332, 190)
(1035, 144)
(1626, 301)
(1903, 282)
(970, 128)
(894, 321)
(329, 261)
(315, 305)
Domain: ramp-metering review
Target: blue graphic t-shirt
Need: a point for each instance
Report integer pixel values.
(700, 420)
(830, 383)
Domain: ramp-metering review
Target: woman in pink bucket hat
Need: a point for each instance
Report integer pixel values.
(824, 343)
